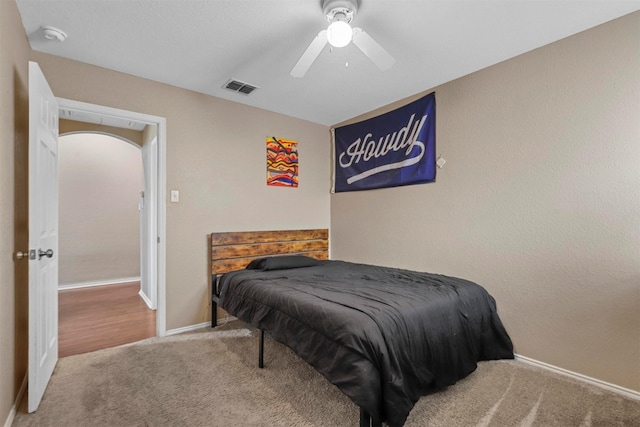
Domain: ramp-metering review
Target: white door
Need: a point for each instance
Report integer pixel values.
(43, 234)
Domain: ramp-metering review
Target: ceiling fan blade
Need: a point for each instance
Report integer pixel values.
(372, 49)
(310, 55)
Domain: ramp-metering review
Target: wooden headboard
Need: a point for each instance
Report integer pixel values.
(234, 250)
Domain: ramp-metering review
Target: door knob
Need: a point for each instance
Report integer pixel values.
(48, 253)
(31, 254)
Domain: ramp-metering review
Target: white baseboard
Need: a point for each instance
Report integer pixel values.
(199, 326)
(146, 299)
(632, 394)
(98, 283)
(11, 416)
(16, 404)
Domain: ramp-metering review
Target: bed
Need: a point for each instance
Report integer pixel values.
(384, 336)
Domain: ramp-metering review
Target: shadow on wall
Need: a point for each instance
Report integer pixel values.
(21, 228)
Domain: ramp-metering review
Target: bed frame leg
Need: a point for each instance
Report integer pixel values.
(261, 350)
(214, 314)
(367, 421)
(214, 301)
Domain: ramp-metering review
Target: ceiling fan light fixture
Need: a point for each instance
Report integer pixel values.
(339, 34)
(340, 13)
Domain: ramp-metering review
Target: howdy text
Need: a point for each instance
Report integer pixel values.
(368, 148)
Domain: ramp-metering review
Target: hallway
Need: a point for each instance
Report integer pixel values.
(100, 317)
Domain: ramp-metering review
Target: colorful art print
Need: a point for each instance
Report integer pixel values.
(282, 162)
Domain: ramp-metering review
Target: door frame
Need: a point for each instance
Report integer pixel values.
(159, 209)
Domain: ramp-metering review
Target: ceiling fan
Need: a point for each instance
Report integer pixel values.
(339, 13)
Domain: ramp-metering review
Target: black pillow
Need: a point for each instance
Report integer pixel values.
(282, 262)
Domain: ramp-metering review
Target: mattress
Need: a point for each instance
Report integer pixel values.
(383, 336)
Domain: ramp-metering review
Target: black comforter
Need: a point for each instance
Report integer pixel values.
(383, 336)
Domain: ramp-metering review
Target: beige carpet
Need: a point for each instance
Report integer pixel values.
(212, 379)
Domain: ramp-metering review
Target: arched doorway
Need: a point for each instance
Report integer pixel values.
(102, 303)
(116, 121)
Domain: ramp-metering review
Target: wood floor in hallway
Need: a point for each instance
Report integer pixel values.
(101, 317)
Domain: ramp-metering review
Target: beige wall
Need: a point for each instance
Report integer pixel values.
(71, 126)
(539, 200)
(216, 158)
(14, 57)
(100, 183)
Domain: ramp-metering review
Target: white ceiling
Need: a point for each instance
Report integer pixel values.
(201, 44)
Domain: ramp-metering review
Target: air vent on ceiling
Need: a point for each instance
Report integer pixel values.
(238, 86)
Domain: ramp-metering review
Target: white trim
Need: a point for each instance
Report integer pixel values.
(161, 297)
(188, 328)
(14, 409)
(145, 299)
(98, 283)
(11, 416)
(199, 326)
(227, 333)
(632, 394)
(160, 238)
(149, 221)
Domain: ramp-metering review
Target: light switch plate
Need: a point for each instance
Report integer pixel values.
(175, 196)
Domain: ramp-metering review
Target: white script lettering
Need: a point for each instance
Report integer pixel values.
(367, 148)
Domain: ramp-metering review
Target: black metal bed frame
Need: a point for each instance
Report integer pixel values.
(365, 418)
(309, 244)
